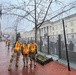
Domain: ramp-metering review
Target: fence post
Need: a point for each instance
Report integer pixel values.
(59, 45)
(31, 39)
(28, 40)
(66, 45)
(40, 44)
(48, 43)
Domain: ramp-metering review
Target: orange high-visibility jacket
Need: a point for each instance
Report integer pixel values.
(17, 47)
(33, 47)
(25, 49)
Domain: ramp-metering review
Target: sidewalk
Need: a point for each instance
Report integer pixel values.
(62, 61)
(52, 68)
(72, 64)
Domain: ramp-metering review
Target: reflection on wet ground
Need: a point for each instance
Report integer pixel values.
(52, 68)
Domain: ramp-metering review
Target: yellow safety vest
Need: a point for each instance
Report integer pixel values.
(32, 48)
(25, 49)
(17, 47)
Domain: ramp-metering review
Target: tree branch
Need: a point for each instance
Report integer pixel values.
(45, 14)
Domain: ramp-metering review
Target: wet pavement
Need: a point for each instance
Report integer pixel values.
(52, 68)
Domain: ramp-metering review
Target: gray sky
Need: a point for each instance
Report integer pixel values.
(8, 21)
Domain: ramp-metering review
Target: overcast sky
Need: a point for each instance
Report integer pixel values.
(25, 25)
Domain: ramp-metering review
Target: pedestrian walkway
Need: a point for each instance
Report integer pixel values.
(52, 68)
(62, 61)
(72, 64)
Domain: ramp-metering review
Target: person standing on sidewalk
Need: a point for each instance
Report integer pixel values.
(8, 42)
(33, 52)
(25, 53)
(17, 50)
(71, 46)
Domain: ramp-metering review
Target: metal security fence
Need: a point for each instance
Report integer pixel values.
(71, 42)
(55, 45)
(71, 46)
(47, 44)
(43, 44)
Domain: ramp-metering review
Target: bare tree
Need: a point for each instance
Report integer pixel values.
(35, 11)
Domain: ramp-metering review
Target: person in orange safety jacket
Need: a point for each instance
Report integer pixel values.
(33, 52)
(25, 53)
(16, 52)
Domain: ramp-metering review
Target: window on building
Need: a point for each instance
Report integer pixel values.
(53, 33)
(50, 28)
(73, 36)
(40, 31)
(53, 28)
(56, 33)
(47, 29)
(66, 25)
(72, 30)
(61, 32)
(44, 30)
(67, 35)
(72, 23)
(56, 27)
(66, 31)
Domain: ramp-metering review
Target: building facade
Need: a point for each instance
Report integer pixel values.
(55, 28)
(29, 35)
